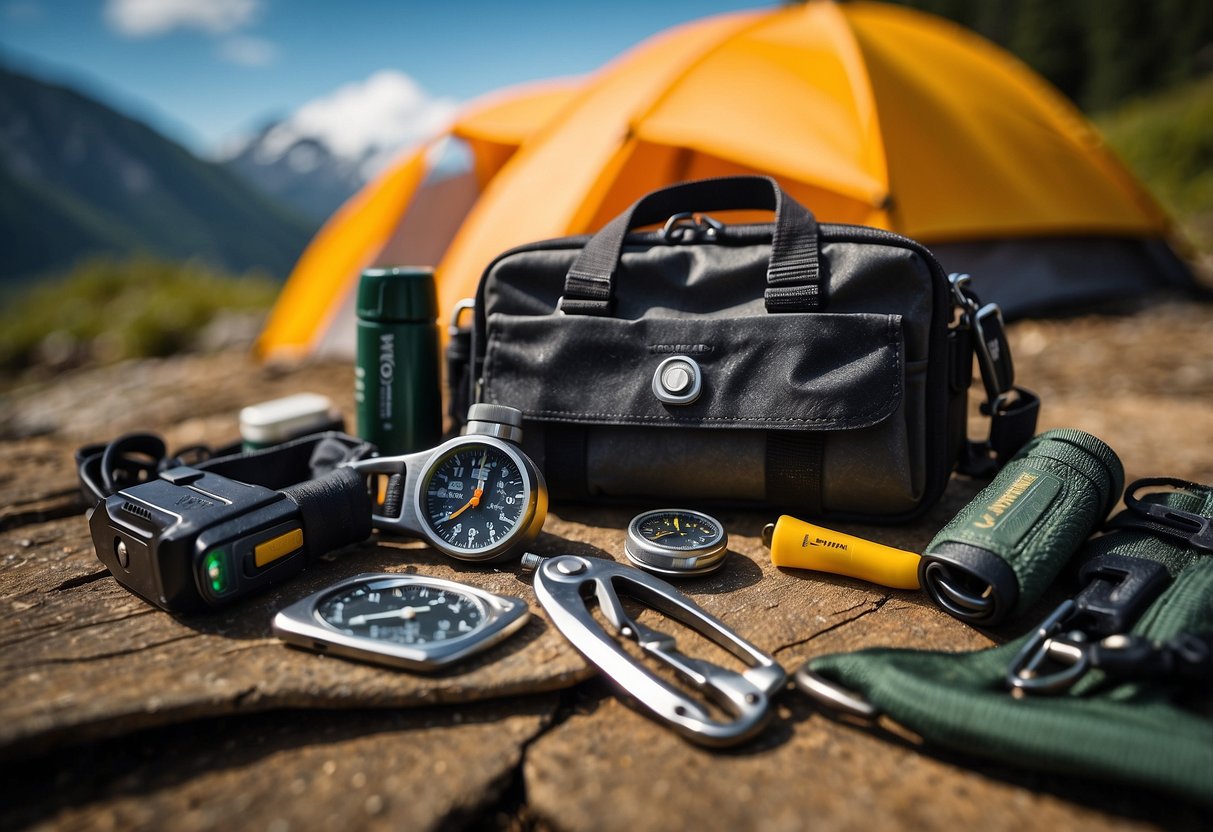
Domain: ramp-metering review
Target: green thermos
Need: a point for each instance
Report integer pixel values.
(397, 392)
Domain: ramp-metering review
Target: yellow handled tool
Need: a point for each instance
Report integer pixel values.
(800, 545)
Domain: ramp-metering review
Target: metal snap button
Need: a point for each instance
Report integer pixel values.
(677, 380)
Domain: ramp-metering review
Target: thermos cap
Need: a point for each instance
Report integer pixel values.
(401, 294)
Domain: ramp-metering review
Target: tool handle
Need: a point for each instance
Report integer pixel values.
(800, 545)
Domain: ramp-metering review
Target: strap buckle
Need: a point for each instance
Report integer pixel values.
(564, 583)
(1186, 657)
(990, 342)
(1194, 530)
(1012, 410)
(1119, 588)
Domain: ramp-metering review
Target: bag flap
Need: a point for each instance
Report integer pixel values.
(807, 371)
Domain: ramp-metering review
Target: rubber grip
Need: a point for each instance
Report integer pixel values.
(335, 511)
(800, 545)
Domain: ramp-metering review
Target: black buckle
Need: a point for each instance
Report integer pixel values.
(993, 355)
(1119, 590)
(1193, 529)
(691, 227)
(1012, 410)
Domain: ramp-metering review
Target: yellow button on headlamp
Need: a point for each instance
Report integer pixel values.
(277, 547)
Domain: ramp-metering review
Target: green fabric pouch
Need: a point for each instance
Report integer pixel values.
(1101, 727)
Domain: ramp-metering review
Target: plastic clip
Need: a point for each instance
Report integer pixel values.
(1194, 530)
(1012, 410)
(1118, 590)
(563, 584)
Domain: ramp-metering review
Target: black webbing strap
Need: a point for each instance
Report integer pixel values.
(1012, 424)
(1012, 410)
(794, 272)
(794, 469)
(104, 469)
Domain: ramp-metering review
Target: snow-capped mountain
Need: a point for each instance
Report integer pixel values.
(79, 179)
(322, 153)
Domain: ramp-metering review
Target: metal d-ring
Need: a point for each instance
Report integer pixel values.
(700, 226)
(959, 602)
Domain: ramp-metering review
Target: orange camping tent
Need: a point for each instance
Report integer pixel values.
(404, 216)
(867, 113)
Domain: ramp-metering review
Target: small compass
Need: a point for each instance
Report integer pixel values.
(676, 541)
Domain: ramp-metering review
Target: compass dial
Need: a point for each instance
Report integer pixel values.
(475, 497)
(679, 530)
(409, 614)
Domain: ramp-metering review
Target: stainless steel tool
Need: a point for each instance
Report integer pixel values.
(563, 584)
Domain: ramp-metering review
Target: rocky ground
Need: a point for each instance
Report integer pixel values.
(116, 715)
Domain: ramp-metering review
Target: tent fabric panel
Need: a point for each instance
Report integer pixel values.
(810, 119)
(540, 191)
(329, 267)
(430, 222)
(510, 116)
(495, 126)
(488, 158)
(945, 94)
(1057, 275)
(643, 167)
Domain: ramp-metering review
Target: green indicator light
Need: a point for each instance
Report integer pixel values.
(212, 567)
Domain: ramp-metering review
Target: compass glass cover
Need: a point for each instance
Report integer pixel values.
(682, 531)
(405, 614)
(474, 498)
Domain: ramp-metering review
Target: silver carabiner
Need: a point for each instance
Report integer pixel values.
(562, 585)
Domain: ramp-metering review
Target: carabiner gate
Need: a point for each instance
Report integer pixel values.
(562, 585)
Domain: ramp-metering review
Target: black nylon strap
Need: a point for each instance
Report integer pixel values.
(794, 273)
(1012, 410)
(334, 509)
(794, 469)
(1013, 424)
(106, 469)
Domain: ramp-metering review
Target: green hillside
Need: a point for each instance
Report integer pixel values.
(1167, 139)
(77, 178)
(107, 310)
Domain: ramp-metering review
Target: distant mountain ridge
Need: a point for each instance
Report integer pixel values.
(78, 178)
(318, 156)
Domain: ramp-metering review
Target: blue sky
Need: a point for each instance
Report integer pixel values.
(205, 70)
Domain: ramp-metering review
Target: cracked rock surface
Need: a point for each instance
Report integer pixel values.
(118, 715)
